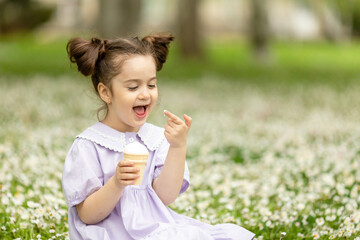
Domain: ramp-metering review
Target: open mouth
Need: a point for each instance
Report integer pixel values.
(140, 111)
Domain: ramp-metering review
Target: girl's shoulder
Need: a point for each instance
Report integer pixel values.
(151, 136)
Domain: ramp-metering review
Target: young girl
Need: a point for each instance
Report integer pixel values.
(97, 183)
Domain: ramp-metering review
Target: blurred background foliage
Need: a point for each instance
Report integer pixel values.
(257, 41)
(22, 15)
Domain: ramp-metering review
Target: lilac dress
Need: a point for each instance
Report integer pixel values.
(139, 214)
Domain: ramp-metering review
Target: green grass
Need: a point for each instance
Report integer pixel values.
(26, 56)
(289, 62)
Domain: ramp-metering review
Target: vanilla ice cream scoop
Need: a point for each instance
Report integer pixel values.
(135, 148)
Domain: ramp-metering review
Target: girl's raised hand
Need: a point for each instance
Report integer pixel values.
(126, 173)
(176, 129)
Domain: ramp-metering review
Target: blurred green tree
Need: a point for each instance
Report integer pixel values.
(119, 17)
(188, 29)
(259, 30)
(22, 15)
(338, 19)
(330, 23)
(349, 12)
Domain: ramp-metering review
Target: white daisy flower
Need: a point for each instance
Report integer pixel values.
(315, 235)
(320, 221)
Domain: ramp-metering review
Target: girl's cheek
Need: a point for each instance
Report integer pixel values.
(155, 94)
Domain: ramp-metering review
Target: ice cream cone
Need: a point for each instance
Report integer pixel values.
(139, 162)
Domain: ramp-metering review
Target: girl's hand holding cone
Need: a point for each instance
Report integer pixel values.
(126, 174)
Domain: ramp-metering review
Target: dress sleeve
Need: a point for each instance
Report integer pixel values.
(82, 174)
(160, 157)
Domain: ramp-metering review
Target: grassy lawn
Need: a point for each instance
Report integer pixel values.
(272, 148)
(289, 62)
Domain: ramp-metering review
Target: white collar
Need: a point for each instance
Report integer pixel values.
(101, 134)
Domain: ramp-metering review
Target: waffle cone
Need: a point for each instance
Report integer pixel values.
(136, 157)
(139, 162)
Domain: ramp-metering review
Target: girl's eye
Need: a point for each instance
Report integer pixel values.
(132, 88)
(152, 86)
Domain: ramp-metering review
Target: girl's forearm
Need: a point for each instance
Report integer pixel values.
(100, 204)
(168, 184)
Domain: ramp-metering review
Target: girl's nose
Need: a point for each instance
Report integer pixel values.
(144, 94)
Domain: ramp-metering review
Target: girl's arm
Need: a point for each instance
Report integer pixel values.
(168, 184)
(101, 203)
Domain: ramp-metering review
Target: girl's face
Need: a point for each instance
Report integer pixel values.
(134, 94)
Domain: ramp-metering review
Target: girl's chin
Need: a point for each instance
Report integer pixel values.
(140, 121)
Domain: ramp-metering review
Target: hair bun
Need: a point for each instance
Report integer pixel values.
(101, 44)
(160, 44)
(86, 53)
(150, 39)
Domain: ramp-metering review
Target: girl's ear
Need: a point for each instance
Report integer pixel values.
(104, 93)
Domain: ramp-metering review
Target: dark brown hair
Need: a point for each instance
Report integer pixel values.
(102, 59)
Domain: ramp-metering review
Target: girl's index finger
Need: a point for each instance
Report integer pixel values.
(125, 163)
(173, 117)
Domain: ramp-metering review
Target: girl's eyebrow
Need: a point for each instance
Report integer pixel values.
(138, 80)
